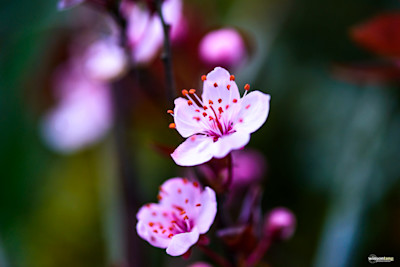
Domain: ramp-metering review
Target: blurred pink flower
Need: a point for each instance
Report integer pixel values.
(219, 123)
(224, 47)
(183, 213)
(64, 4)
(145, 31)
(83, 114)
(280, 224)
(105, 60)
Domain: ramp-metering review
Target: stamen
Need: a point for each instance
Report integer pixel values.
(192, 91)
(172, 125)
(246, 88)
(170, 235)
(151, 224)
(205, 114)
(232, 78)
(198, 205)
(159, 197)
(186, 217)
(195, 184)
(210, 102)
(186, 201)
(203, 78)
(220, 110)
(247, 107)
(219, 100)
(215, 84)
(185, 92)
(228, 87)
(234, 100)
(169, 111)
(190, 102)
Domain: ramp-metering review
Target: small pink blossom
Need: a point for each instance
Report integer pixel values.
(183, 213)
(222, 47)
(145, 31)
(218, 123)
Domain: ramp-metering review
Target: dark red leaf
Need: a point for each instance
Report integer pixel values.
(380, 35)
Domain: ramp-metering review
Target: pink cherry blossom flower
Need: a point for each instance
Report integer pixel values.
(218, 123)
(222, 47)
(145, 32)
(183, 213)
(83, 114)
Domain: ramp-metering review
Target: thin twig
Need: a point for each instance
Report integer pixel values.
(127, 172)
(230, 172)
(167, 54)
(218, 259)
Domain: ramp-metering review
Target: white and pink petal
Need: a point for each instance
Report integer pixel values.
(253, 112)
(181, 243)
(230, 142)
(208, 210)
(187, 118)
(220, 87)
(195, 150)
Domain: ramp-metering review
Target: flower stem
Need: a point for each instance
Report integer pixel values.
(127, 173)
(167, 55)
(259, 251)
(230, 171)
(221, 261)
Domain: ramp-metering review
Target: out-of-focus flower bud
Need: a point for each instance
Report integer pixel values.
(200, 264)
(224, 47)
(248, 167)
(280, 224)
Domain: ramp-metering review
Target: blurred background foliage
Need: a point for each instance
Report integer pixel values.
(332, 146)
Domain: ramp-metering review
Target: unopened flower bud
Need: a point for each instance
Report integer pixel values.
(200, 264)
(224, 47)
(280, 224)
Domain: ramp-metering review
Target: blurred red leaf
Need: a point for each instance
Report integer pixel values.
(371, 72)
(380, 35)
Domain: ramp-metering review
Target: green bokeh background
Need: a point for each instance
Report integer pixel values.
(332, 147)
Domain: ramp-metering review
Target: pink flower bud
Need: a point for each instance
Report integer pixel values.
(280, 224)
(224, 47)
(200, 264)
